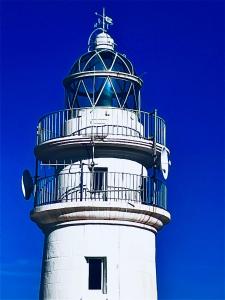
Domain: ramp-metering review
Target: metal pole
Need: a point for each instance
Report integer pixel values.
(154, 157)
(81, 180)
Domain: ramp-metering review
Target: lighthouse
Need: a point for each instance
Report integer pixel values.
(99, 187)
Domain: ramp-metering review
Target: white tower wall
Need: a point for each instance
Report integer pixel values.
(130, 262)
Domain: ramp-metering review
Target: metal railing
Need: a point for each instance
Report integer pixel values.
(100, 186)
(102, 121)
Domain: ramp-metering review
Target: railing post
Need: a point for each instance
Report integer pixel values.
(81, 182)
(164, 133)
(38, 134)
(60, 129)
(155, 125)
(165, 196)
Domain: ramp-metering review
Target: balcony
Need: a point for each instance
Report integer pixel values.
(101, 122)
(105, 187)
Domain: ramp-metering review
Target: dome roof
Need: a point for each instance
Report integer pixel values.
(102, 60)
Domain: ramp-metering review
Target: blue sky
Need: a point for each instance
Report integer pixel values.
(178, 49)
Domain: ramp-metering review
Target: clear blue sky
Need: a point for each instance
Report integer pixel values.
(179, 47)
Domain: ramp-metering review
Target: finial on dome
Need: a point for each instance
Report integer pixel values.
(103, 21)
(102, 40)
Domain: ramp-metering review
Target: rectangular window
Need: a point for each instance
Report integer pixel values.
(99, 183)
(100, 179)
(97, 273)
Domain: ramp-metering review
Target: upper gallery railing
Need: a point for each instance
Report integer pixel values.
(100, 186)
(102, 122)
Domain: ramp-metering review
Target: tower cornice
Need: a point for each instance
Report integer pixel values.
(131, 214)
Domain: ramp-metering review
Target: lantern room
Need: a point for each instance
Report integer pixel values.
(102, 77)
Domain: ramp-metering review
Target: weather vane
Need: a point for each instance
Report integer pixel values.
(103, 21)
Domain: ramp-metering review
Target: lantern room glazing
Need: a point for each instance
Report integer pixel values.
(102, 77)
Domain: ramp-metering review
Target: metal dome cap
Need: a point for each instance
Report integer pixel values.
(104, 41)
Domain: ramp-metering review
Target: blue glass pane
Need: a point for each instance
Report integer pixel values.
(108, 58)
(128, 64)
(84, 60)
(95, 63)
(75, 68)
(81, 90)
(106, 95)
(136, 90)
(70, 93)
(98, 84)
(122, 88)
(130, 103)
(68, 97)
(82, 101)
(89, 84)
(119, 66)
(131, 99)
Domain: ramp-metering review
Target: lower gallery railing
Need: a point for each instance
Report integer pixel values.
(100, 186)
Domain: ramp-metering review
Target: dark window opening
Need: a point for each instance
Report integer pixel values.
(97, 273)
(144, 190)
(100, 179)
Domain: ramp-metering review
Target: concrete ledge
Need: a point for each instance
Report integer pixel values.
(89, 211)
(79, 147)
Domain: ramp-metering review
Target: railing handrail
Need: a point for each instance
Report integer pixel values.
(57, 124)
(93, 108)
(84, 186)
(79, 172)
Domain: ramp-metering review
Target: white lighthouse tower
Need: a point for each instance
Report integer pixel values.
(98, 197)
